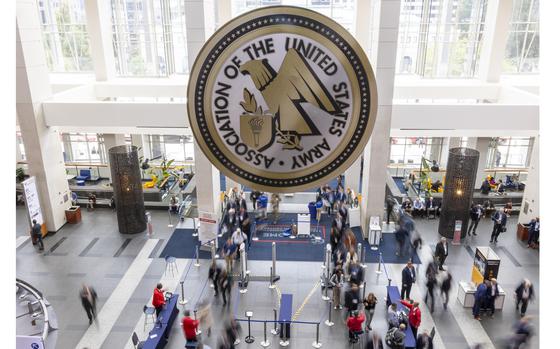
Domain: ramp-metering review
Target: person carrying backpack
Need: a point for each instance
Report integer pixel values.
(395, 337)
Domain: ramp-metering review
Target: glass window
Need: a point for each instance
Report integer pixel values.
(19, 144)
(65, 37)
(149, 37)
(410, 151)
(509, 152)
(83, 147)
(522, 50)
(440, 38)
(241, 6)
(174, 147)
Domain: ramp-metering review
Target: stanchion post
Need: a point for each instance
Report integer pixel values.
(329, 322)
(325, 258)
(195, 234)
(274, 259)
(170, 225)
(274, 330)
(197, 264)
(183, 301)
(243, 288)
(378, 271)
(363, 259)
(213, 251)
(198, 331)
(265, 343)
(271, 286)
(360, 252)
(317, 343)
(364, 290)
(389, 282)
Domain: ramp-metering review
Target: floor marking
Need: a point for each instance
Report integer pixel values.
(122, 248)
(510, 256)
(22, 241)
(307, 298)
(55, 246)
(108, 315)
(88, 247)
(156, 249)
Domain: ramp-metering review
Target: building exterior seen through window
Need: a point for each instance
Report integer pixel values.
(65, 37)
(149, 37)
(342, 11)
(440, 38)
(522, 49)
(410, 150)
(512, 152)
(83, 147)
(172, 147)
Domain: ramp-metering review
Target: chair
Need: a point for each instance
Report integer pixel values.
(84, 175)
(171, 264)
(149, 311)
(136, 342)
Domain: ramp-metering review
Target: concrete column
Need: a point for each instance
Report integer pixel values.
(482, 144)
(99, 28)
(200, 21)
(137, 141)
(352, 176)
(223, 12)
(531, 194)
(496, 25)
(111, 140)
(42, 143)
(207, 179)
(19, 157)
(385, 24)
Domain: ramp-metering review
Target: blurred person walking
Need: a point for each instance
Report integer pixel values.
(442, 250)
(431, 283)
(523, 294)
(445, 287)
(37, 235)
(88, 297)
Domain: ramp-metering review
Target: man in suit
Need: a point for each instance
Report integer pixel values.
(492, 294)
(408, 278)
(431, 206)
(338, 223)
(476, 214)
(500, 221)
(534, 232)
(479, 298)
(442, 250)
(523, 294)
(424, 341)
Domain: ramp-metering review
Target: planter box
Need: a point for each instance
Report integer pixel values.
(73, 214)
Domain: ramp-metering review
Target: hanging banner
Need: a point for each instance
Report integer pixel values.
(282, 99)
(32, 203)
(208, 226)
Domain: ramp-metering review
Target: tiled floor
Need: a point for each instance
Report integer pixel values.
(94, 252)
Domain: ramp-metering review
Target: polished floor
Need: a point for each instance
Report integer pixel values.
(124, 269)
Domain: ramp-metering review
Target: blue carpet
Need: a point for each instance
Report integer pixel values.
(183, 245)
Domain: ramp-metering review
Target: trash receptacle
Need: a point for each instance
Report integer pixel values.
(312, 210)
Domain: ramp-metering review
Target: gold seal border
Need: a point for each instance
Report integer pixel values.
(275, 11)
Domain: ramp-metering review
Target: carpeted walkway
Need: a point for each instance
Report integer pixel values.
(183, 245)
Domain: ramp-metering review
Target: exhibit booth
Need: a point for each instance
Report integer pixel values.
(485, 266)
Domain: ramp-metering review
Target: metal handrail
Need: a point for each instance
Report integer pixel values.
(39, 296)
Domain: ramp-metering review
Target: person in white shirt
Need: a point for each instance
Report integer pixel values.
(492, 295)
(417, 207)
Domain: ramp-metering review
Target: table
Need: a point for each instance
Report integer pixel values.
(393, 296)
(466, 292)
(157, 338)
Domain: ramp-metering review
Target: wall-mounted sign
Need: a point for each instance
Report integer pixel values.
(32, 200)
(282, 99)
(29, 342)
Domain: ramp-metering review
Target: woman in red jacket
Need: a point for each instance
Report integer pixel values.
(414, 316)
(158, 300)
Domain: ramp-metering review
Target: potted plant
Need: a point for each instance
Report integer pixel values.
(20, 174)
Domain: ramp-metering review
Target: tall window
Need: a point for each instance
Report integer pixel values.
(440, 38)
(149, 37)
(509, 152)
(65, 37)
(342, 11)
(410, 150)
(83, 147)
(522, 50)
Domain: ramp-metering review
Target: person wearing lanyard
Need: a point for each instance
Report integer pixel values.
(523, 293)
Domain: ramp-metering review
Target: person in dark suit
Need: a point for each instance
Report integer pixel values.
(343, 210)
(534, 232)
(408, 278)
(390, 201)
(500, 221)
(338, 223)
(476, 214)
(523, 294)
(485, 187)
(445, 287)
(255, 194)
(442, 250)
(479, 298)
(431, 206)
(241, 216)
(424, 341)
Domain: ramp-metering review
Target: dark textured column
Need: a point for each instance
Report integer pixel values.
(127, 188)
(460, 178)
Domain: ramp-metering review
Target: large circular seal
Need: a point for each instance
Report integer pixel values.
(282, 99)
